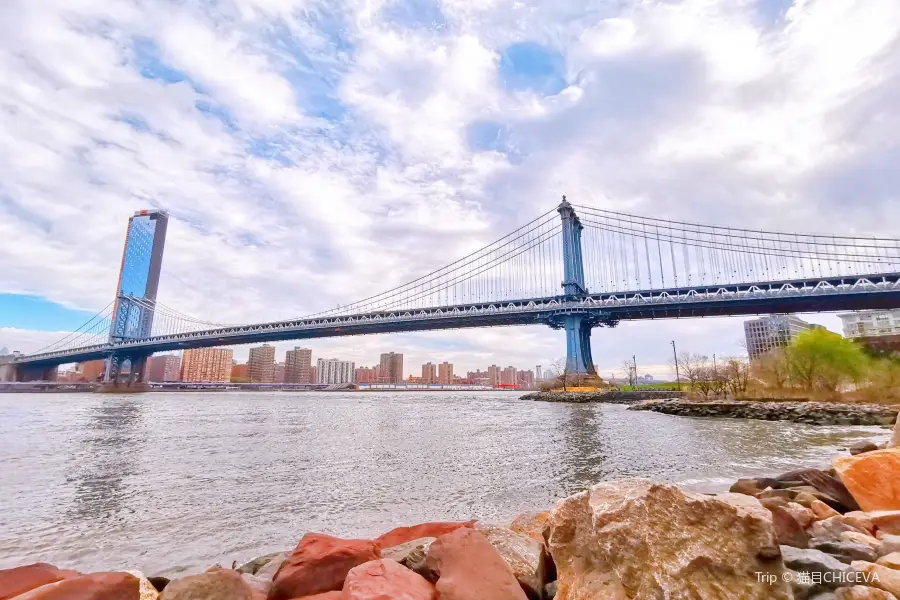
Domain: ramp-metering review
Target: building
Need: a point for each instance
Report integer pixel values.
(525, 379)
(445, 373)
(333, 370)
(478, 377)
(538, 373)
(509, 376)
(494, 372)
(313, 376)
(206, 365)
(365, 375)
(145, 240)
(239, 373)
(279, 373)
(165, 367)
(90, 371)
(391, 368)
(261, 366)
(776, 331)
(429, 373)
(871, 323)
(297, 363)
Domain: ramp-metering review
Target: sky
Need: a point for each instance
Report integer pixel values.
(311, 153)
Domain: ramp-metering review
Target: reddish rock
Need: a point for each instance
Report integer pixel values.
(467, 567)
(532, 524)
(401, 535)
(96, 586)
(22, 579)
(386, 579)
(873, 478)
(325, 596)
(788, 529)
(320, 563)
(215, 584)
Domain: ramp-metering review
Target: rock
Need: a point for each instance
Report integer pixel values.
(823, 596)
(776, 494)
(835, 492)
(96, 586)
(550, 590)
(656, 541)
(386, 579)
(401, 535)
(159, 583)
(215, 584)
(888, 579)
(819, 508)
(860, 520)
(873, 478)
(467, 567)
(19, 580)
(259, 562)
(320, 563)
(802, 586)
(324, 596)
(259, 586)
(268, 570)
(532, 524)
(816, 563)
(845, 550)
(891, 560)
(861, 538)
(862, 446)
(830, 529)
(147, 590)
(788, 530)
(411, 554)
(524, 555)
(753, 486)
(895, 438)
(886, 521)
(862, 592)
(889, 543)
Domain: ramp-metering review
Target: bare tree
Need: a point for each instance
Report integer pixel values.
(561, 371)
(630, 372)
(737, 375)
(693, 368)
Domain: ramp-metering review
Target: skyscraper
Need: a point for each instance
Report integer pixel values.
(445, 373)
(139, 274)
(775, 331)
(261, 366)
(391, 367)
(333, 370)
(206, 365)
(296, 365)
(429, 373)
(166, 367)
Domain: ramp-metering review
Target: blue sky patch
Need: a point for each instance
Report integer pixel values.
(531, 66)
(409, 14)
(31, 312)
(772, 12)
(488, 135)
(150, 63)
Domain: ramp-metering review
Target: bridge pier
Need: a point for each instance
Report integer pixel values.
(113, 380)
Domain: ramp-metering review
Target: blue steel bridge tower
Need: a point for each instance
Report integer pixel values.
(145, 241)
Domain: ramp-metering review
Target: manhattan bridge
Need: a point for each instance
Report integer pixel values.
(573, 268)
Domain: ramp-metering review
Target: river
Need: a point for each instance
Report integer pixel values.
(173, 482)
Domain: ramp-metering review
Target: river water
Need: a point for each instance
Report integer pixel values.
(174, 482)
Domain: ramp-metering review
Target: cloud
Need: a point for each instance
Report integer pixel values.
(312, 153)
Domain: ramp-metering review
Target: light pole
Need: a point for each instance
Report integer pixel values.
(677, 375)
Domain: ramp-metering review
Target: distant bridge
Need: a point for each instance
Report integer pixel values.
(566, 270)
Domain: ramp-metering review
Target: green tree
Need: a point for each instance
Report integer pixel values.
(819, 359)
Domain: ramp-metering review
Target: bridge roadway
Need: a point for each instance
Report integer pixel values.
(876, 291)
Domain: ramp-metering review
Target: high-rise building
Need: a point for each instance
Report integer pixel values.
(445, 373)
(334, 370)
(525, 379)
(279, 373)
(91, 370)
(139, 275)
(391, 365)
(871, 323)
(365, 375)
(429, 373)
(206, 365)
(776, 331)
(165, 367)
(261, 366)
(494, 375)
(239, 373)
(313, 375)
(509, 376)
(538, 373)
(296, 365)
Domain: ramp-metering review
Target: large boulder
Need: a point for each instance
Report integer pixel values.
(891, 560)
(753, 486)
(96, 586)
(889, 542)
(532, 524)
(320, 563)
(886, 521)
(873, 478)
(215, 584)
(19, 580)
(862, 592)
(887, 579)
(830, 529)
(401, 535)
(815, 563)
(252, 567)
(790, 525)
(386, 579)
(410, 554)
(524, 555)
(862, 446)
(639, 540)
(467, 567)
(830, 490)
(846, 550)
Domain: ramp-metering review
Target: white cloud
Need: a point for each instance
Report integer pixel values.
(336, 161)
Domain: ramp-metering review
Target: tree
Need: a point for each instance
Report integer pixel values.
(819, 359)
(772, 369)
(561, 371)
(693, 368)
(737, 375)
(630, 372)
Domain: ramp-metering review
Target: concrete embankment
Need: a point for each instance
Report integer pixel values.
(813, 413)
(608, 397)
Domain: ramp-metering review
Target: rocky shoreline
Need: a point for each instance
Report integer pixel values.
(609, 397)
(809, 534)
(812, 413)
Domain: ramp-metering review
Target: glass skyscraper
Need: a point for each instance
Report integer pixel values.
(139, 274)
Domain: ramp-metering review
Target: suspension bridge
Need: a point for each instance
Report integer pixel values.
(573, 268)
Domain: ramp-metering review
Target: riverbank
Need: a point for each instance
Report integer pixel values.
(607, 397)
(830, 534)
(812, 413)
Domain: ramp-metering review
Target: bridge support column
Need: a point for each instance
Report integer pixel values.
(573, 264)
(578, 344)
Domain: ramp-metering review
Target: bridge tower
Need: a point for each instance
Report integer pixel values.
(577, 324)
